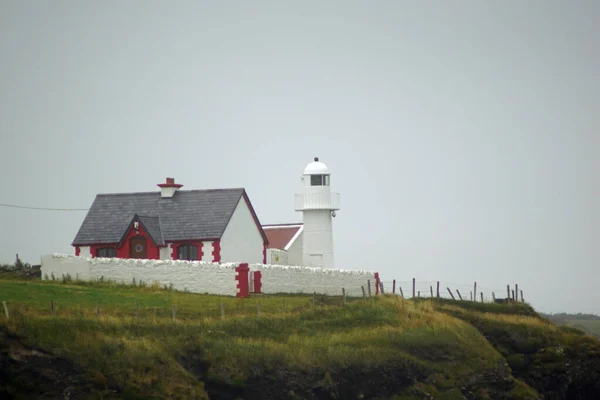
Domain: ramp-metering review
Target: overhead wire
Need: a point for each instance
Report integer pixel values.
(43, 208)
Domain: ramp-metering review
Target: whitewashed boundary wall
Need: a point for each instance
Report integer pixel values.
(59, 265)
(211, 278)
(193, 276)
(299, 279)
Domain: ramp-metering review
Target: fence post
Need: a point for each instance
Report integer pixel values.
(363, 290)
(438, 289)
(474, 291)
(431, 290)
(377, 283)
(458, 293)
(522, 300)
(508, 292)
(394, 287)
(414, 285)
(5, 309)
(471, 294)
(516, 292)
(419, 293)
(369, 286)
(343, 296)
(451, 295)
(401, 293)
(481, 296)
(494, 297)
(513, 295)
(381, 287)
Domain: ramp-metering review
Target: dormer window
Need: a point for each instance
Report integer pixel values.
(319, 180)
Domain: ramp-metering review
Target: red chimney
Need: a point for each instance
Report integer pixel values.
(169, 188)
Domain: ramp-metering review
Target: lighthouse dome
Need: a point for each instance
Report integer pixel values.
(316, 168)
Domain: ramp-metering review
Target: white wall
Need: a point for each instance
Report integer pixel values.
(207, 249)
(317, 238)
(297, 279)
(60, 265)
(212, 278)
(277, 256)
(165, 252)
(85, 251)
(295, 250)
(194, 276)
(242, 241)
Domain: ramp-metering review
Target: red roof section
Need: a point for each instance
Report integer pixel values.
(280, 236)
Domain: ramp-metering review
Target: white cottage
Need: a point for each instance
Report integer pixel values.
(216, 225)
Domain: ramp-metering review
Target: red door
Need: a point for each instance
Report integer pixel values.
(137, 247)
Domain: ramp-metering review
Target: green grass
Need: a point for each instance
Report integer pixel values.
(123, 300)
(590, 326)
(375, 348)
(588, 323)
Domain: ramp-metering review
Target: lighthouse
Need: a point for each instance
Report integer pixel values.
(318, 205)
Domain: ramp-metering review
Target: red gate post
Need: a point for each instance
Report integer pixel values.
(257, 281)
(242, 278)
(376, 283)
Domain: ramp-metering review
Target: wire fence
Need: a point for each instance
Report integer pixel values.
(453, 291)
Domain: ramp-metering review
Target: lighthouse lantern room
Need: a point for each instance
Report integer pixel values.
(318, 205)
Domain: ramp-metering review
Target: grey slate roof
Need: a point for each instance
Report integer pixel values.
(191, 214)
(152, 226)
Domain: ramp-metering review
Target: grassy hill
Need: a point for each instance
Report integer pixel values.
(591, 327)
(586, 322)
(114, 341)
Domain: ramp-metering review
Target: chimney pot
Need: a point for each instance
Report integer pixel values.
(169, 188)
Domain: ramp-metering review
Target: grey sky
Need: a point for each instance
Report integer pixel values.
(463, 136)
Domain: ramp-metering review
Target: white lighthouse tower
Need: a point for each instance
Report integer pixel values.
(318, 205)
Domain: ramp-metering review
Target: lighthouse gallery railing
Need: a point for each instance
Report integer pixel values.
(317, 201)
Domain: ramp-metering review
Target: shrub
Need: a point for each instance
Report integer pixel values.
(516, 362)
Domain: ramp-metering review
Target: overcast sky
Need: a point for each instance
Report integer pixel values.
(463, 136)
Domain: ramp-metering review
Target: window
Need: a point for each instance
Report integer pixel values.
(106, 252)
(319, 180)
(187, 252)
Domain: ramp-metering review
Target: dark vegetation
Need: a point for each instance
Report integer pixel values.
(110, 341)
(559, 362)
(20, 270)
(564, 317)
